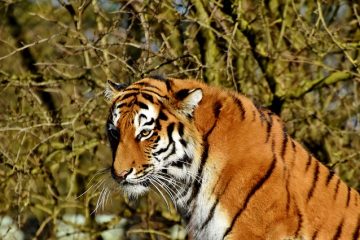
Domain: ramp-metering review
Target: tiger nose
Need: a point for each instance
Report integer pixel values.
(120, 176)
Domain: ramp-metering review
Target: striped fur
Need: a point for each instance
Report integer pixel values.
(228, 166)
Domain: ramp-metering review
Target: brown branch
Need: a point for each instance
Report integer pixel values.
(310, 85)
(29, 61)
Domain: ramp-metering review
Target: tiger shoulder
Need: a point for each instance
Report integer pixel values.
(228, 166)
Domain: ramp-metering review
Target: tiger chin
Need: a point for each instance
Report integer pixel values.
(229, 167)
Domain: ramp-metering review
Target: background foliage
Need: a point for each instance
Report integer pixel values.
(298, 58)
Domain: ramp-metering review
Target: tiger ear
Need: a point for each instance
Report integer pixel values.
(112, 89)
(190, 99)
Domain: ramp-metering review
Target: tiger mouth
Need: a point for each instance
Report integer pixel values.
(144, 183)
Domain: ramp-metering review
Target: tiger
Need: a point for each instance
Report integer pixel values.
(229, 167)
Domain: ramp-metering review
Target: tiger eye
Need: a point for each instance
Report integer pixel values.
(145, 133)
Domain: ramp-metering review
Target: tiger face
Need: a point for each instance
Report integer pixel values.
(152, 136)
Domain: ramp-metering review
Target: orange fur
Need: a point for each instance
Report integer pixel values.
(264, 183)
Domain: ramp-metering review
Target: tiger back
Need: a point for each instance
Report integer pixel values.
(229, 167)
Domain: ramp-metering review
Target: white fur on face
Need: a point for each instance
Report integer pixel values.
(134, 191)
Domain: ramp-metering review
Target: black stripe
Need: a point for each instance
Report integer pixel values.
(240, 107)
(128, 95)
(355, 235)
(211, 214)
(284, 143)
(329, 177)
(162, 116)
(142, 105)
(262, 116)
(170, 130)
(162, 150)
(181, 129)
(183, 142)
(300, 221)
(212, 210)
(197, 183)
(182, 161)
(134, 88)
(254, 115)
(149, 122)
(182, 94)
(294, 153)
(348, 196)
(157, 124)
(217, 109)
(287, 195)
(171, 153)
(147, 165)
(142, 91)
(121, 105)
(268, 129)
(177, 164)
(256, 187)
(148, 97)
(117, 98)
(315, 180)
(314, 235)
(338, 230)
(308, 163)
(167, 82)
(150, 91)
(337, 188)
(168, 85)
(145, 84)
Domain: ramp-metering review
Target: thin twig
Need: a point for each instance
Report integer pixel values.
(43, 40)
(352, 61)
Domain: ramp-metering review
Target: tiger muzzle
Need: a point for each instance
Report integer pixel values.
(120, 177)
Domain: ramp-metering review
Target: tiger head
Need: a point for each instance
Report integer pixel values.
(152, 134)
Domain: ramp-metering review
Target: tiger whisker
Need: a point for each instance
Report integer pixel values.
(159, 183)
(167, 190)
(172, 180)
(97, 173)
(173, 191)
(98, 203)
(96, 185)
(104, 194)
(108, 193)
(159, 191)
(187, 172)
